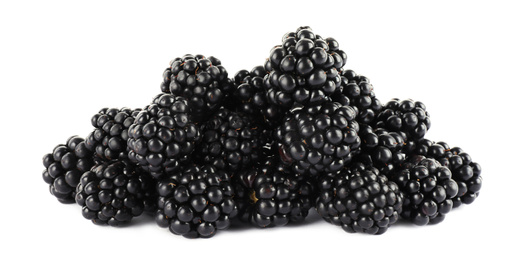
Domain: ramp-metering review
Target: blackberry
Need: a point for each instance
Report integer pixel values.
(304, 69)
(408, 116)
(251, 96)
(465, 172)
(429, 189)
(114, 192)
(359, 199)
(110, 135)
(231, 141)
(318, 139)
(163, 136)
(356, 91)
(196, 202)
(202, 80)
(64, 167)
(268, 194)
(382, 149)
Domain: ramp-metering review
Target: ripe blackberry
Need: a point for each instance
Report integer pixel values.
(304, 69)
(231, 141)
(268, 194)
(196, 202)
(382, 149)
(356, 91)
(163, 135)
(359, 199)
(318, 139)
(251, 96)
(429, 189)
(110, 135)
(408, 116)
(202, 80)
(64, 166)
(465, 172)
(114, 192)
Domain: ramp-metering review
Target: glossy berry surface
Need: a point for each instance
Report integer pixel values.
(163, 135)
(303, 69)
(465, 171)
(407, 115)
(320, 139)
(200, 79)
(110, 135)
(231, 141)
(113, 193)
(64, 167)
(196, 202)
(428, 189)
(359, 200)
(270, 195)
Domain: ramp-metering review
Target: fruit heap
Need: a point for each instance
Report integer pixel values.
(264, 147)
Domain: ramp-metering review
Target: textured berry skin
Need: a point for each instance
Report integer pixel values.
(202, 80)
(465, 172)
(113, 193)
(356, 91)
(268, 195)
(382, 149)
(359, 200)
(318, 139)
(231, 141)
(408, 116)
(110, 135)
(428, 188)
(252, 98)
(163, 135)
(196, 202)
(64, 167)
(304, 69)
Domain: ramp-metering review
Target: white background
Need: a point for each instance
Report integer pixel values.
(61, 62)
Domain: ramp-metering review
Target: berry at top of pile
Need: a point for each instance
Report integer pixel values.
(202, 80)
(304, 69)
(318, 139)
(163, 135)
(196, 202)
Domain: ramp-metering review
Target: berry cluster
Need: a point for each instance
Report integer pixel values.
(264, 147)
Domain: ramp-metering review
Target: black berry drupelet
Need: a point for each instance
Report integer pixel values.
(202, 80)
(268, 194)
(318, 139)
(304, 69)
(408, 116)
(382, 149)
(163, 136)
(110, 135)
(465, 171)
(65, 165)
(196, 202)
(251, 97)
(356, 91)
(231, 141)
(428, 188)
(114, 192)
(359, 199)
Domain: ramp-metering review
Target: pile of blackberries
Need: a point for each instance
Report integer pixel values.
(264, 147)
